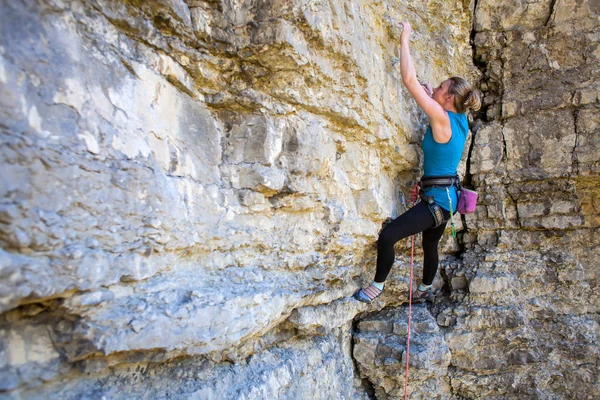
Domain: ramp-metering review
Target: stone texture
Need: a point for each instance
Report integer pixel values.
(191, 191)
(319, 366)
(380, 350)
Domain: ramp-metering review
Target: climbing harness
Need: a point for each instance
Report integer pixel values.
(434, 209)
(446, 181)
(440, 181)
(467, 199)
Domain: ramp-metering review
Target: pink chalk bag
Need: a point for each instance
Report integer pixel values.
(467, 201)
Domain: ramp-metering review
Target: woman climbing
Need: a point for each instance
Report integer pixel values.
(443, 146)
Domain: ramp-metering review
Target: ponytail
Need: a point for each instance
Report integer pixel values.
(465, 96)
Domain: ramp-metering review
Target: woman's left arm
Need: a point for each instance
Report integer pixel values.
(435, 112)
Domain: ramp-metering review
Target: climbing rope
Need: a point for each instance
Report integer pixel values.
(410, 291)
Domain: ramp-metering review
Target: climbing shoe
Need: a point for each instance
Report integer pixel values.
(367, 294)
(421, 296)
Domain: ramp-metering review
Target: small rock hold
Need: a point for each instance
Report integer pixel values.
(137, 325)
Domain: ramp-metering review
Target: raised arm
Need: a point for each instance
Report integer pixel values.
(440, 123)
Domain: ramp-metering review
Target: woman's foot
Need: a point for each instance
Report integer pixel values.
(420, 296)
(368, 294)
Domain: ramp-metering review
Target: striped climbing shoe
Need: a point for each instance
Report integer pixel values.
(367, 294)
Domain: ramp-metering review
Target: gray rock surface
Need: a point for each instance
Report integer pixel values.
(381, 350)
(192, 190)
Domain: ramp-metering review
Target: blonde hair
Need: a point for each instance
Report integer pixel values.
(465, 96)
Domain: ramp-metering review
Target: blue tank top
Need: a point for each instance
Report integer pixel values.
(443, 158)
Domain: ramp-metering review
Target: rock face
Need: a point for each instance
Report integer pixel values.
(381, 351)
(191, 191)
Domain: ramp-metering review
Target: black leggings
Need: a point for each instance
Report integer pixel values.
(415, 220)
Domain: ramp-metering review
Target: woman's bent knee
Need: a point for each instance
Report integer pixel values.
(386, 238)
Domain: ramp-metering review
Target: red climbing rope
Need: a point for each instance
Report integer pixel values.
(410, 291)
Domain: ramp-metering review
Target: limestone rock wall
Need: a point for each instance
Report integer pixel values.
(191, 190)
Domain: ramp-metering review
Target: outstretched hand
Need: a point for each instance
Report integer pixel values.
(428, 89)
(406, 31)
